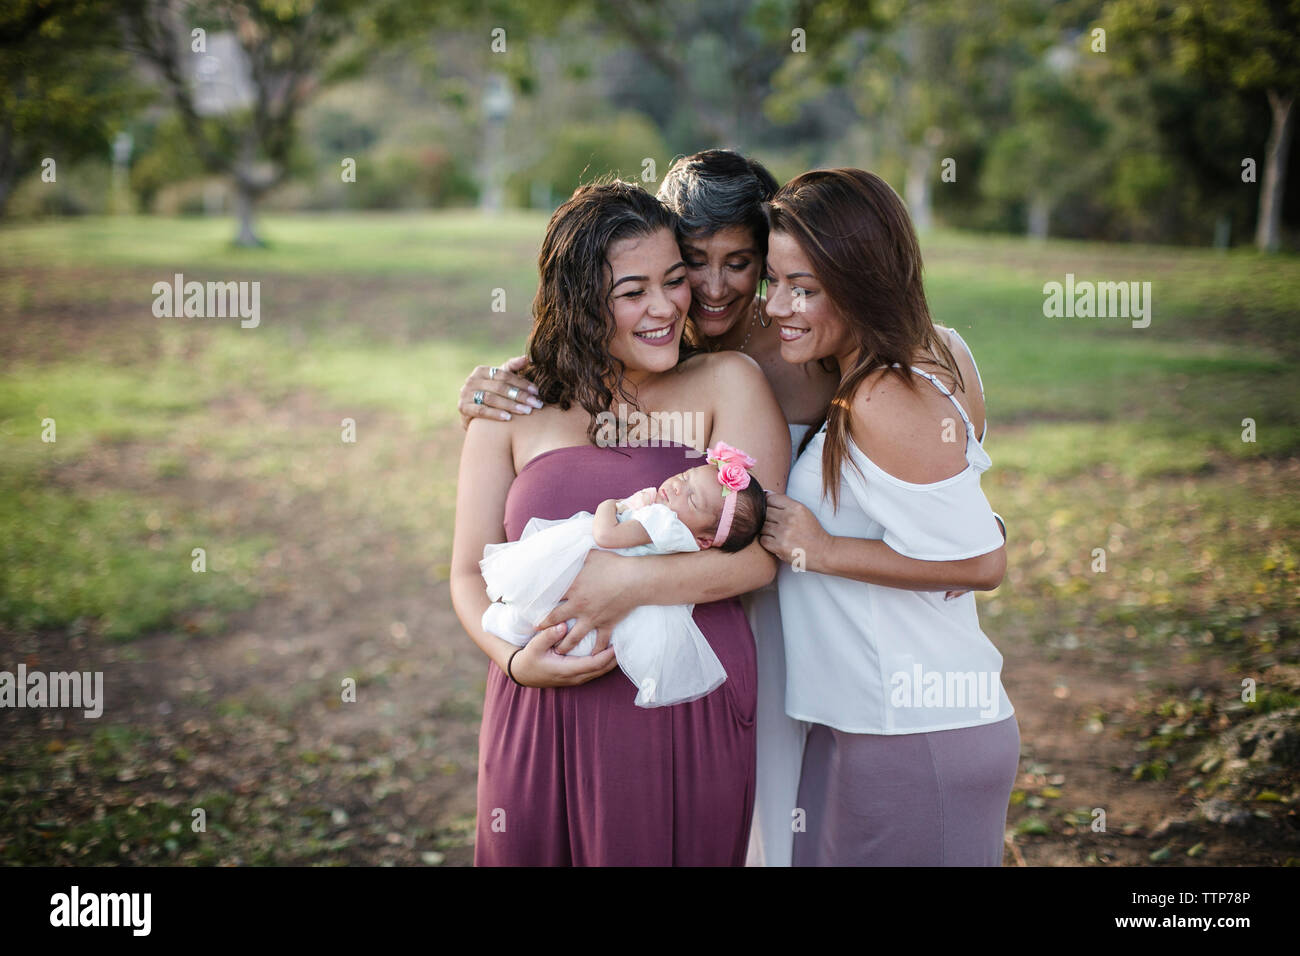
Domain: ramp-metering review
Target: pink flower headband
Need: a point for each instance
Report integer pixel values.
(733, 477)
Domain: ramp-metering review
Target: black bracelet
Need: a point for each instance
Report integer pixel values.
(510, 675)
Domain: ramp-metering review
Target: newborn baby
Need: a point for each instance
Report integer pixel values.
(660, 648)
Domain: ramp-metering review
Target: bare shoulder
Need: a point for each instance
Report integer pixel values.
(965, 362)
(736, 397)
(960, 350)
(490, 433)
(527, 436)
(720, 375)
(970, 391)
(879, 400)
(901, 428)
(721, 365)
(487, 439)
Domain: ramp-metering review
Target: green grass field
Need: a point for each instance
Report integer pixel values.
(176, 434)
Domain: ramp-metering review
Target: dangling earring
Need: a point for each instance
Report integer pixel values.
(762, 297)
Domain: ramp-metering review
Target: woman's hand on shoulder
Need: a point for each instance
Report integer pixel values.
(496, 388)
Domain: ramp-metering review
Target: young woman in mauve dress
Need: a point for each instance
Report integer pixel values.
(718, 196)
(913, 746)
(571, 772)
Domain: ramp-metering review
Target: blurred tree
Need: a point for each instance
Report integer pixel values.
(1050, 153)
(64, 89)
(580, 152)
(295, 48)
(930, 75)
(1172, 153)
(291, 48)
(164, 157)
(1249, 45)
(712, 63)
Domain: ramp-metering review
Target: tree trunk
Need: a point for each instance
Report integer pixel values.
(10, 163)
(1269, 223)
(245, 200)
(917, 187)
(492, 198)
(6, 189)
(1040, 214)
(1222, 231)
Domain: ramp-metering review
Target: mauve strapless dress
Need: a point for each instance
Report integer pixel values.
(580, 775)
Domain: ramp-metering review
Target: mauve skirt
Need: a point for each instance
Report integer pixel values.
(581, 776)
(925, 799)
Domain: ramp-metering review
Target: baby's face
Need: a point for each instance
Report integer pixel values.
(695, 497)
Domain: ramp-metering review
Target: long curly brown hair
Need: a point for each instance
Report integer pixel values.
(573, 325)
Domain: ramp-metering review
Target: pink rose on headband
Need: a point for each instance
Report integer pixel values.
(725, 454)
(732, 475)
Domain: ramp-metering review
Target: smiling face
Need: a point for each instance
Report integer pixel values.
(650, 298)
(695, 496)
(724, 268)
(810, 325)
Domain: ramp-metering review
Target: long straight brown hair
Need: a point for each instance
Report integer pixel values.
(859, 238)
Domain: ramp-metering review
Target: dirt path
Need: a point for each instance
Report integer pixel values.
(1063, 749)
(390, 779)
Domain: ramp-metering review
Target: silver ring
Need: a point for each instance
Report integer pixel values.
(478, 397)
(512, 393)
(492, 372)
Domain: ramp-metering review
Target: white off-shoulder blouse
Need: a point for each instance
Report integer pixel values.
(868, 659)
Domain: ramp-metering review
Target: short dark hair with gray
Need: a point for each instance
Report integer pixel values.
(717, 188)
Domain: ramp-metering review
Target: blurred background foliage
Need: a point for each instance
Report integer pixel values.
(1139, 135)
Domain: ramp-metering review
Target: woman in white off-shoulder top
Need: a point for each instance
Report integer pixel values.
(913, 744)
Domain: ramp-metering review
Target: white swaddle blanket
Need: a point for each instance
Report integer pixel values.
(659, 647)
